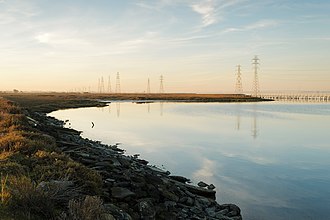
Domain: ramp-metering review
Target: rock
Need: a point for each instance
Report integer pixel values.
(181, 179)
(109, 180)
(169, 204)
(202, 184)
(201, 191)
(117, 212)
(222, 217)
(205, 202)
(169, 195)
(211, 187)
(144, 162)
(190, 201)
(146, 209)
(210, 211)
(223, 212)
(157, 170)
(107, 216)
(121, 192)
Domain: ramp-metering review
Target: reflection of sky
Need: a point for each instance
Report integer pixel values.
(283, 173)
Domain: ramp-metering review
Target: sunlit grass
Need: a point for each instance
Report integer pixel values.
(29, 158)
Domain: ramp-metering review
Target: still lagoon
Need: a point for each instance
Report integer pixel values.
(272, 159)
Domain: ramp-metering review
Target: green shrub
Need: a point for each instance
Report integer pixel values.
(12, 168)
(28, 200)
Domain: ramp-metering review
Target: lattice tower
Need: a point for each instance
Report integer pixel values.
(239, 87)
(109, 85)
(102, 85)
(161, 88)
(118, 83)
(148, 86)
(255, 89)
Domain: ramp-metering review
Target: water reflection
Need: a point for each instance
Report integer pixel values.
(254, 122)
(161, 108)
(118, 109)
(238, 118)
(239, 112)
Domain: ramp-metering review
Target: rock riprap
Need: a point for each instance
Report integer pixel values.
(132, 189)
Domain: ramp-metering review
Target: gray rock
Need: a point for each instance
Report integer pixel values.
(121, 192)
(190, 201)
(210, 211)
(223, 212)
(202, 184)
(205, 202)
(146, 209)
(180, 179)
(211, 187)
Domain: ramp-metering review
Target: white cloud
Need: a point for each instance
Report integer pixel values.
(207, 9)
(43, 38)
(58, 38)
(206, 170)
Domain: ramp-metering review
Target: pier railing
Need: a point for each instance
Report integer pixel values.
(303, 97)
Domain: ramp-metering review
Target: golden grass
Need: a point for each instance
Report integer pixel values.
(27, 158)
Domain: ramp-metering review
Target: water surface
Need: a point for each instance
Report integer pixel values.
(271, 159)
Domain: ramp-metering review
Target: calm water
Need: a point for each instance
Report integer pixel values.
(271, 159)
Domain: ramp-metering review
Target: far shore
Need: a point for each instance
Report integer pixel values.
(51, 101)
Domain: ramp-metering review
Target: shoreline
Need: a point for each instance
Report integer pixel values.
(48, 102)
(132, 182)
(131, 188)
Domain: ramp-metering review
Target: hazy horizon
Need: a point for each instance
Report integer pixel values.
(195, 44)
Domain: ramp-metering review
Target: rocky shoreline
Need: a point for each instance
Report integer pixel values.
(133, 189)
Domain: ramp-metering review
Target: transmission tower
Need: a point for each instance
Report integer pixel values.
(239, 87)
(148, 86)
(99, 86)
(109, 85)
(255, 89)
(102, 85)
(118, 83)
(161, 88)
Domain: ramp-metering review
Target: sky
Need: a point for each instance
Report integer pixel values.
(196, 45)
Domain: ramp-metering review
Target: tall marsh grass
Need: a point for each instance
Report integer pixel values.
(29, 158)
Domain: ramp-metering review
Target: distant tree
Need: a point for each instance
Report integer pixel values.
(16, 91)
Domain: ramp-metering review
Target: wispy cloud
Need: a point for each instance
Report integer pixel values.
(254, 26)
(157, 5)
(207, 9)
(213, 11)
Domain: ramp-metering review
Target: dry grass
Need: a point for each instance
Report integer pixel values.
(89, 208)
(28, 158)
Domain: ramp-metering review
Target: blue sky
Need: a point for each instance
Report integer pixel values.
(196, 44)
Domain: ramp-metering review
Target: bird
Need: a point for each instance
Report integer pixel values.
(92, 124)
